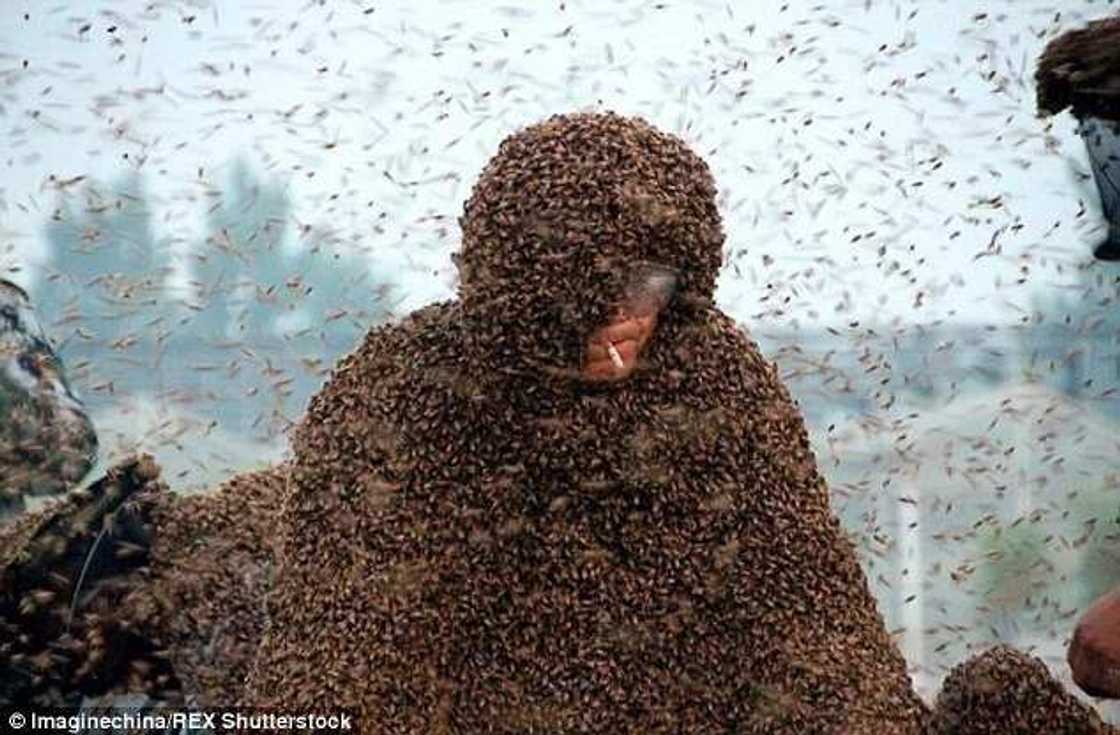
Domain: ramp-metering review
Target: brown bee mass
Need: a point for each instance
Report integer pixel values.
(1004, 691)
(129, 588)
(1081, 69)
(212, 561)
(654, 555)
(64, 633)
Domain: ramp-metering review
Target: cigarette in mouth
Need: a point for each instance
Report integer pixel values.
(615, 357)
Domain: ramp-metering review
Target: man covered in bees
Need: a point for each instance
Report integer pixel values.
(577, 499)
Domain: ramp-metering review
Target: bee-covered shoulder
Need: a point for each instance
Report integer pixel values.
(388, 354)
(719, 344)
(754, 398)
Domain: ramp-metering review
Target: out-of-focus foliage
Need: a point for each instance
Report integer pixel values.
(265, 310)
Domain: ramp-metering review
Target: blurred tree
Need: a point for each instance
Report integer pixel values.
(1098, 538)
(267, 313)
(240, 265)
(330, 296)
(1076, 550)
(102, 288)
(287, 310)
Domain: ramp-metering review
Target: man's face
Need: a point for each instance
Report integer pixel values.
(612, 351)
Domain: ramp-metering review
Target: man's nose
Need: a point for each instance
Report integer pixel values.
(652, 285)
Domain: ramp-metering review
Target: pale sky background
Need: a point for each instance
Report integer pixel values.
(866, 154)
(395, 108)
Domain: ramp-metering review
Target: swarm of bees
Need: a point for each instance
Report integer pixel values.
(655, 554)
(903, 237)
